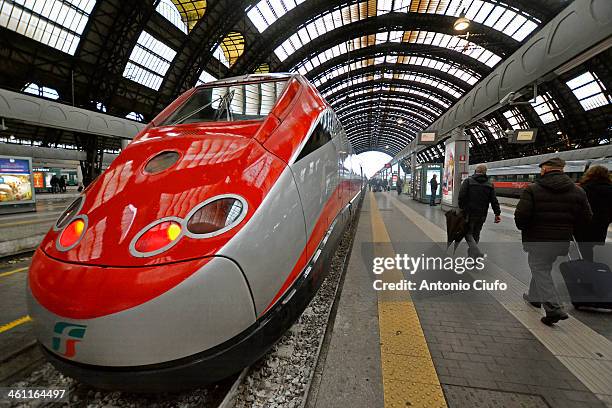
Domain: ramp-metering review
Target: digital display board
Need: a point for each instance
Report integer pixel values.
(16, 180)
(427, 138)
(523, 136)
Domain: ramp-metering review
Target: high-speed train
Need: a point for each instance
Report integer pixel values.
(511, 176)
(205, 239)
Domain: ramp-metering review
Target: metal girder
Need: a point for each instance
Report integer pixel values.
(407, 125)
(412, 116)
(360, 103)
(384, 124)
(401, 49)
(556, 48)
(48, 113)
(389, 68)
(362, 142)
(403, 134)
(388, 113)
(490, 39)
(401, 83)
(383, 94)
(108, 47)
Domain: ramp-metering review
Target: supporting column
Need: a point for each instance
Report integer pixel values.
(456, 161)
(413, 164)
(125, 143)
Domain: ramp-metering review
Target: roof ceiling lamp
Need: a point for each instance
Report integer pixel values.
(461, 23)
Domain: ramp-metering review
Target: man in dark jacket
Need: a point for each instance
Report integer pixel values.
(547, 214)
(475, 195)
(433, 183)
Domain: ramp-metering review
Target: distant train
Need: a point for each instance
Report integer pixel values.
(202, 243)
(511, 176)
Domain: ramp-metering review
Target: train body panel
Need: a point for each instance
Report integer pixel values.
(203, 241)
(257, 247)
(150, 333)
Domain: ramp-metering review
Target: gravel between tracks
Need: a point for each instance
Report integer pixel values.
(279, 380)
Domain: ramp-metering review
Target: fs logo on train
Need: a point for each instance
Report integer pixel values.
(66, 336)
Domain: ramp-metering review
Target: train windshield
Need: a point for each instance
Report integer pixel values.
(230, 103)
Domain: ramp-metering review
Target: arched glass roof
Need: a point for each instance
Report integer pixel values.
(433, 39)
(493, 14)
(464, 75)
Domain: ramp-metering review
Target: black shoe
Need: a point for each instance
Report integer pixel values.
(537, 305)
(551, 319)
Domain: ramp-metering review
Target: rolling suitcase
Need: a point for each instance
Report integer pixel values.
(589, 283)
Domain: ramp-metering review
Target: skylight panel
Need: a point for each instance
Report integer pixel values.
(504, 20)
(589, 90)
(547, 108)
(494, 127)
(45, 92)
(484, 12)
(205, 77)
(56, 23)
(169, 11)
(257, 19)
(149, 61)
(135, 116)
(516, 119)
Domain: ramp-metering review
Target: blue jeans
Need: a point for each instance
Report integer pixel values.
(432, 199)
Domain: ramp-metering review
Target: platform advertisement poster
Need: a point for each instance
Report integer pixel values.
(448, 179)
(16, 180)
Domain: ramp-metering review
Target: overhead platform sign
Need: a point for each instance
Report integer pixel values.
(427, 137)
(523, 136)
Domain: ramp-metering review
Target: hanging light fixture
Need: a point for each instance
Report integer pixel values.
(462, 23)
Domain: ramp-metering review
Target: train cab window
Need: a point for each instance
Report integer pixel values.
(319, 137)
(532, 178)
(218, 103)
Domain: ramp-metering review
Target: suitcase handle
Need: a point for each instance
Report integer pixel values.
(577, 250)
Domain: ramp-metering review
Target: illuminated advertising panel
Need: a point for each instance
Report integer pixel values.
(448, 180)
(16, 186)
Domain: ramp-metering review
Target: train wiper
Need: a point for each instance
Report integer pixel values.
(225, 105)
(201, 108)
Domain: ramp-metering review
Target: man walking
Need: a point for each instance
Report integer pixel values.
(475, 195)
(433, 183)
(547, 215)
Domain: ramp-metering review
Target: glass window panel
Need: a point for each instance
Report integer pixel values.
(169, 11)
(589, 91)
(56, 23)
(149, 61)
(205, 77)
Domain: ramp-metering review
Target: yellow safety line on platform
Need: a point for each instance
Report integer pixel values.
(9, 273)
(15, 323)
(409, 375)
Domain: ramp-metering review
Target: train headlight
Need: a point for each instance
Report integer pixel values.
(157, 237)
(72, 234)
(216, 215)
(69, 213)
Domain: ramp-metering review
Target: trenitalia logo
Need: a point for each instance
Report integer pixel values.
(69, 334)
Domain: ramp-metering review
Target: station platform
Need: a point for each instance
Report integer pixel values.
(456, 348)
(23, 232)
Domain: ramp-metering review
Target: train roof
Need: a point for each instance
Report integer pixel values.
(276, 76)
